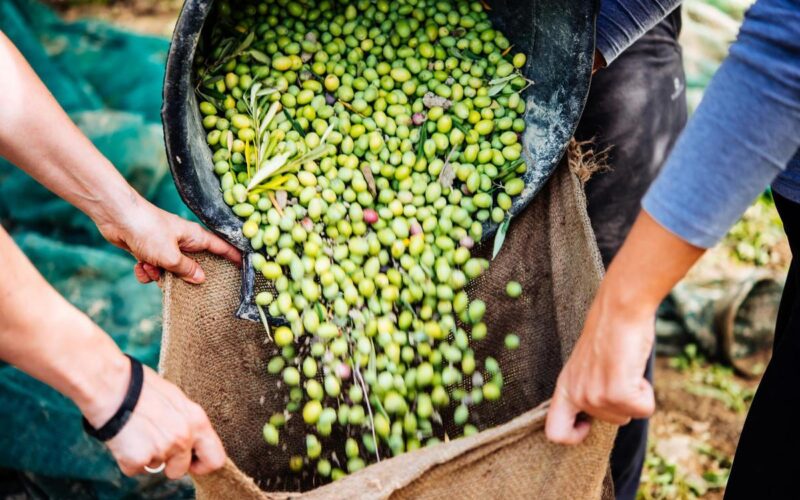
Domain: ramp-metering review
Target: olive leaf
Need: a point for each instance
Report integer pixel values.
(320, 313)
(500, 237)
(464, 55)
(259, 56)
(370, 179)
(509, 169)
(248, 41)
(296, 126)
(273, 110)
(326, 134)
(496, 89)
(448, 174)
(253, 91)
(423, 136)
(212, 94)
(208, 82)
(264, 321)
(267, 169)
(283, 197)
(503, 79)
(460, 126)
(229, 142)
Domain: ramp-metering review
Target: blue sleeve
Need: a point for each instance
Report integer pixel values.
(622, 22)
(742, 135)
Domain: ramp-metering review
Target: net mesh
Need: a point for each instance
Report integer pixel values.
(550, 249)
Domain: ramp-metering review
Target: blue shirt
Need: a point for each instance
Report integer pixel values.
(746, 131)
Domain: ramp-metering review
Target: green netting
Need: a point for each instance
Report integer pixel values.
(110, 83)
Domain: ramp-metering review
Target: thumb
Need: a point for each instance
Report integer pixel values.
(562, 425)
(187, 269)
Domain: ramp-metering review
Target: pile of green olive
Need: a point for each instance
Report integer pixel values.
(364, 144)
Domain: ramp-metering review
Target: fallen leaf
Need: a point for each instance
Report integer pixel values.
(500, 237)
(282, 198)
(370, 180)
(259, 56)
(431, 100)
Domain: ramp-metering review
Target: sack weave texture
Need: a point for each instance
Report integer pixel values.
(220, 362)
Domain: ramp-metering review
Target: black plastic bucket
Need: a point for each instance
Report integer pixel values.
(557, 37)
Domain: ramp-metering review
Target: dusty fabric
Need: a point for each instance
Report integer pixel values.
(221, 363)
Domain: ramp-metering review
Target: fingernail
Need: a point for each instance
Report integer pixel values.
(199, 276)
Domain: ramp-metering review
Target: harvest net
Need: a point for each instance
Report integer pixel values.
(220, 362)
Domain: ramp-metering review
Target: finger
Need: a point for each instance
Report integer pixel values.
(187, 269)
(209, 452)
(610, 416)
(197, 239)
(141, 274)
(218, 246)
(152, 271)
(561, 425)
(136, 467)
(131, 462)
(154, 465)
(178, 464)
(635, 402)
(644, 403)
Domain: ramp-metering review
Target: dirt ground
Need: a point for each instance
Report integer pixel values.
(693, 435)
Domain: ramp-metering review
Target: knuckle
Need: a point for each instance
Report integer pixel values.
(198, 415)
(159, 454)
(133, 464)
(217, 461)
(616, 396)
(172, 260)
(183, 437)
(195, 232)
(593, 398)
(214, 461)
(198, 230)
(128, 470)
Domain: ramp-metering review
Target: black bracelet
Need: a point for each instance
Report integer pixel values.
(123, 414)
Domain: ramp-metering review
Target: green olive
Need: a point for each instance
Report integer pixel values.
(363, 149)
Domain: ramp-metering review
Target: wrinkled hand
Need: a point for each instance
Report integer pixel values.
(604, 376)
(157, 239)
(165, 428)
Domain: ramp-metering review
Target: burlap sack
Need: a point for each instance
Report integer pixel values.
(221, 363)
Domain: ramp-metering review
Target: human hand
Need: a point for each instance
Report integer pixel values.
(604, 376)
(164, 428)
(158, 239)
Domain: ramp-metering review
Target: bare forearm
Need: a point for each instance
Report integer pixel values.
(38, 136)
(603, 376)
(649, 264)
(46, 337)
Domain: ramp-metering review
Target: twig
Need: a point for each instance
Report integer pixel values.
(264, 322)
(364, 390)
(275, 203)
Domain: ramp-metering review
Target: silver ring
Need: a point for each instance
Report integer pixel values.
(157, 470)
